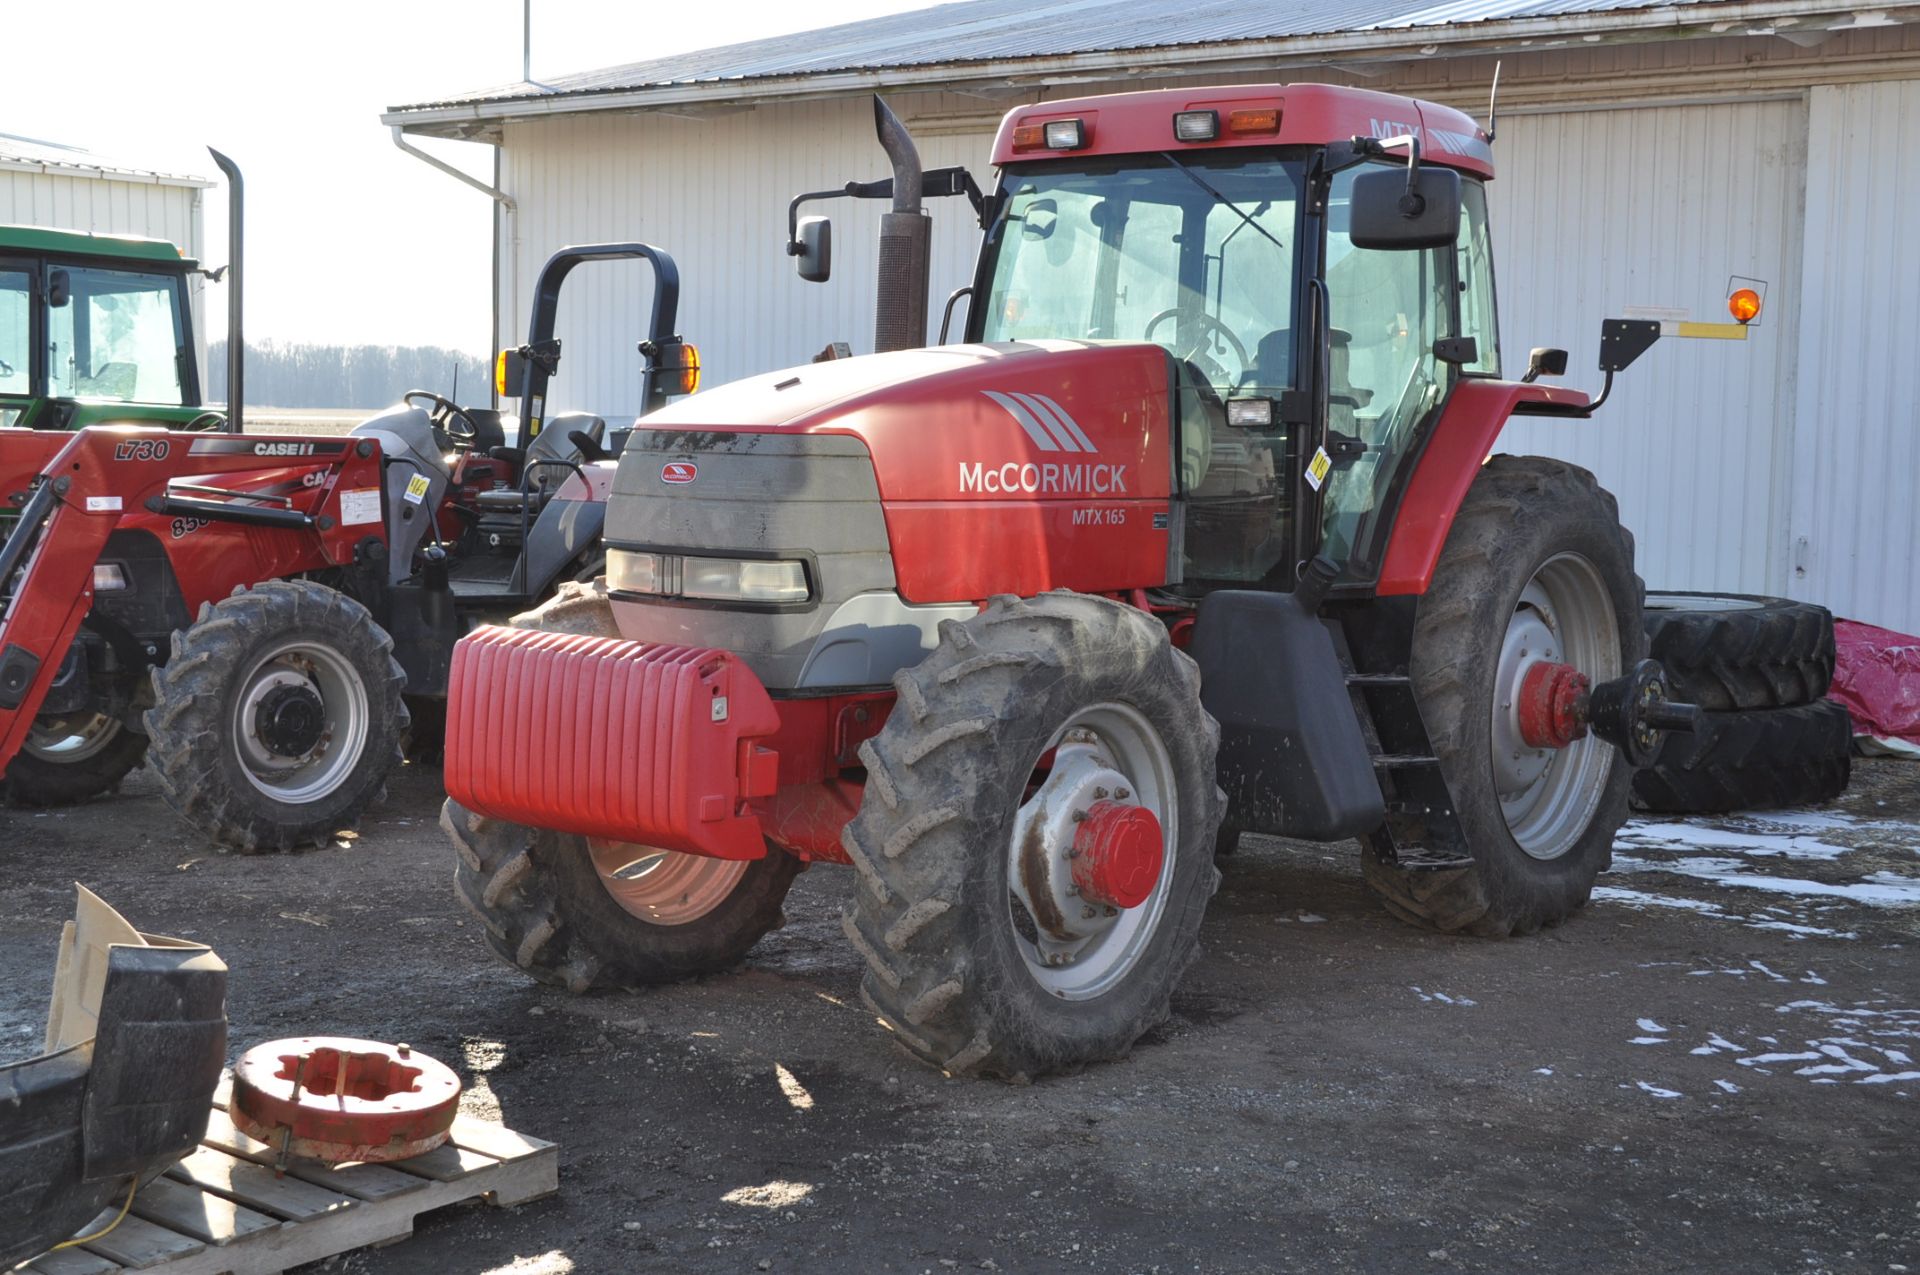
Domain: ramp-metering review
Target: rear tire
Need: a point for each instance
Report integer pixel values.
(1522, 514)
(1729, 652)
(1758, 760)
(548, 911)
(949, 968)
(75, 769)
(286, 638)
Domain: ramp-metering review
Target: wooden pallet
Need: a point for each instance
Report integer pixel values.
(223, 1210)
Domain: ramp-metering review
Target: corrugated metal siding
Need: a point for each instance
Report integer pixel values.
(105, 206)
(1856, 512)
(1596, 211)
(714, 193)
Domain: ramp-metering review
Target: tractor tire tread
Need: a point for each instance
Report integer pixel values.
(1759, 759)
(1777, 653)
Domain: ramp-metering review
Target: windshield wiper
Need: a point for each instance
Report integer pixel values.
(1238, 211)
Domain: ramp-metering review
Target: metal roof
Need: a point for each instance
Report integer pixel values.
(32, 154)
(997, 32)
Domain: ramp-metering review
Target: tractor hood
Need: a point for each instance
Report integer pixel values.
(1032, 420)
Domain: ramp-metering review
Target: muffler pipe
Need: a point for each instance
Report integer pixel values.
(906, 240)
(236, 328)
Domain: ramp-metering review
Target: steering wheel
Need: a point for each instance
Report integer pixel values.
(205, 422)
(1199, 355)
(447, 417)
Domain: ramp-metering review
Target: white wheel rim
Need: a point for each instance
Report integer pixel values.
(1098, 952)
(321, 770)
(664, 887)
(72, 740)
(1564, 616)
(1683, 602)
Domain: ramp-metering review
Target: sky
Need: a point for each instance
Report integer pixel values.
(348, 239)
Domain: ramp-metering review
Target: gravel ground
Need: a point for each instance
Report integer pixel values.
(1711, 1069)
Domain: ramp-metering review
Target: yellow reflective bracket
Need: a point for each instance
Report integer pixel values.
(1709, 331)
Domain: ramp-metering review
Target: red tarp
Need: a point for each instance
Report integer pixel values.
(1877, 676)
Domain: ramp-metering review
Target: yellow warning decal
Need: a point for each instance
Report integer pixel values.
(1317, 468)
(416, 489)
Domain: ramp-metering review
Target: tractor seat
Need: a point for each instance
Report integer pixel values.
(554, 443)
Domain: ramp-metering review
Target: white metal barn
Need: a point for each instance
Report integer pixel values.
(1645, 154)
(66, 188)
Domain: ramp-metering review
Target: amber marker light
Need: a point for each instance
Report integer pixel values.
(1744, 305)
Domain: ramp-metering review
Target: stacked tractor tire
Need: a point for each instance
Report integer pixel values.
(1760, 668)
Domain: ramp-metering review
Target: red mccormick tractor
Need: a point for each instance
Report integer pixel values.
(1196, 535)
(246, 611)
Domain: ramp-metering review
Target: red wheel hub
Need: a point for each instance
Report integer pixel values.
(337, 1099)
(1551, 706)
(1117, 853)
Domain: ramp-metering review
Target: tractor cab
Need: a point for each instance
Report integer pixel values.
(96, 329)
(1308, 363)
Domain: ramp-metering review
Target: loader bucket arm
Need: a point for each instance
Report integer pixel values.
(103, 476)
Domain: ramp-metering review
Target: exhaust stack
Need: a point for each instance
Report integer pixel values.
(906, 235)
(236, 328)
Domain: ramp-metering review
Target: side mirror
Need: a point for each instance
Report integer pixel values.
(815, 249)
(59, 288)
(1385, 211)
(1544, 360)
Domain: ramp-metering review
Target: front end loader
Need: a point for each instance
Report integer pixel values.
(1195, 535)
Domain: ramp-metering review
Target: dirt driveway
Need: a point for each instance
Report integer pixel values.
(1712, 1069)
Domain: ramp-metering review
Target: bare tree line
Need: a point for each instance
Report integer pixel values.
(355, 376)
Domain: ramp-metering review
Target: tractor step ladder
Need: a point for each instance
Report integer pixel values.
(1414, 790)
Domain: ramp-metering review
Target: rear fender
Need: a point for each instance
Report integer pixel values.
(1461, 441)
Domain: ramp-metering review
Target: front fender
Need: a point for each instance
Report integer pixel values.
(1461, 441)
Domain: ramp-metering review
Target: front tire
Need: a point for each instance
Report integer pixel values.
(600, 916)
(1536, 566)
(278, 716)
(973, 959)
(71, 761)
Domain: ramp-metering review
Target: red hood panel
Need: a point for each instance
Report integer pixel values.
(1036, 420)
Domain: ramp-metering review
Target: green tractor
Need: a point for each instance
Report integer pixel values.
(97, 329)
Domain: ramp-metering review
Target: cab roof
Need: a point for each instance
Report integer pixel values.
(1308, 115)
(46, 241)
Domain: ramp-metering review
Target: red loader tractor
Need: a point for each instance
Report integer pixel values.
(1195, 535)
(246, 612)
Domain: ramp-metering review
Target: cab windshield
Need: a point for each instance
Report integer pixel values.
(1196, 254)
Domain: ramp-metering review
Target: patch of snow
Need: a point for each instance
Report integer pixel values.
(1641, 898)
(1442, 997)
(1728, 1085)
(1648, 1025)
(1657, 1091)
(1879, 889)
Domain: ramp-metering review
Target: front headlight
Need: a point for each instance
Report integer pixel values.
(629, 572)
(709, 579)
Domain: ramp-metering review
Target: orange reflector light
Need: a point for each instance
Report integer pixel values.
(687, 376)
(1744, 305)
(1260, 120)
(1028, 137)
(500, 374)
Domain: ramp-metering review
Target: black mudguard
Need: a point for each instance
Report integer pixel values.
(79, 1126)
(1293, 761)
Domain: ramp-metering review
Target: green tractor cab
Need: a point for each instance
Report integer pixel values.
(96, 329)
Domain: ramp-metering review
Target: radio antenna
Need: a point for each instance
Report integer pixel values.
(1493, 98)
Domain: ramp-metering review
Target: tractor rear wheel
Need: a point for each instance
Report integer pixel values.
(1017, 919)
(601, 915)
(72, 758)
(277, 717)
(1536, 568)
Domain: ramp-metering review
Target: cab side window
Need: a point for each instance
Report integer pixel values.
(16, 300)
(1473, 266)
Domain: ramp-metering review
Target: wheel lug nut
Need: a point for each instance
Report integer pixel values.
(1087, 913)
(1100, 794)
(1121, 794)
